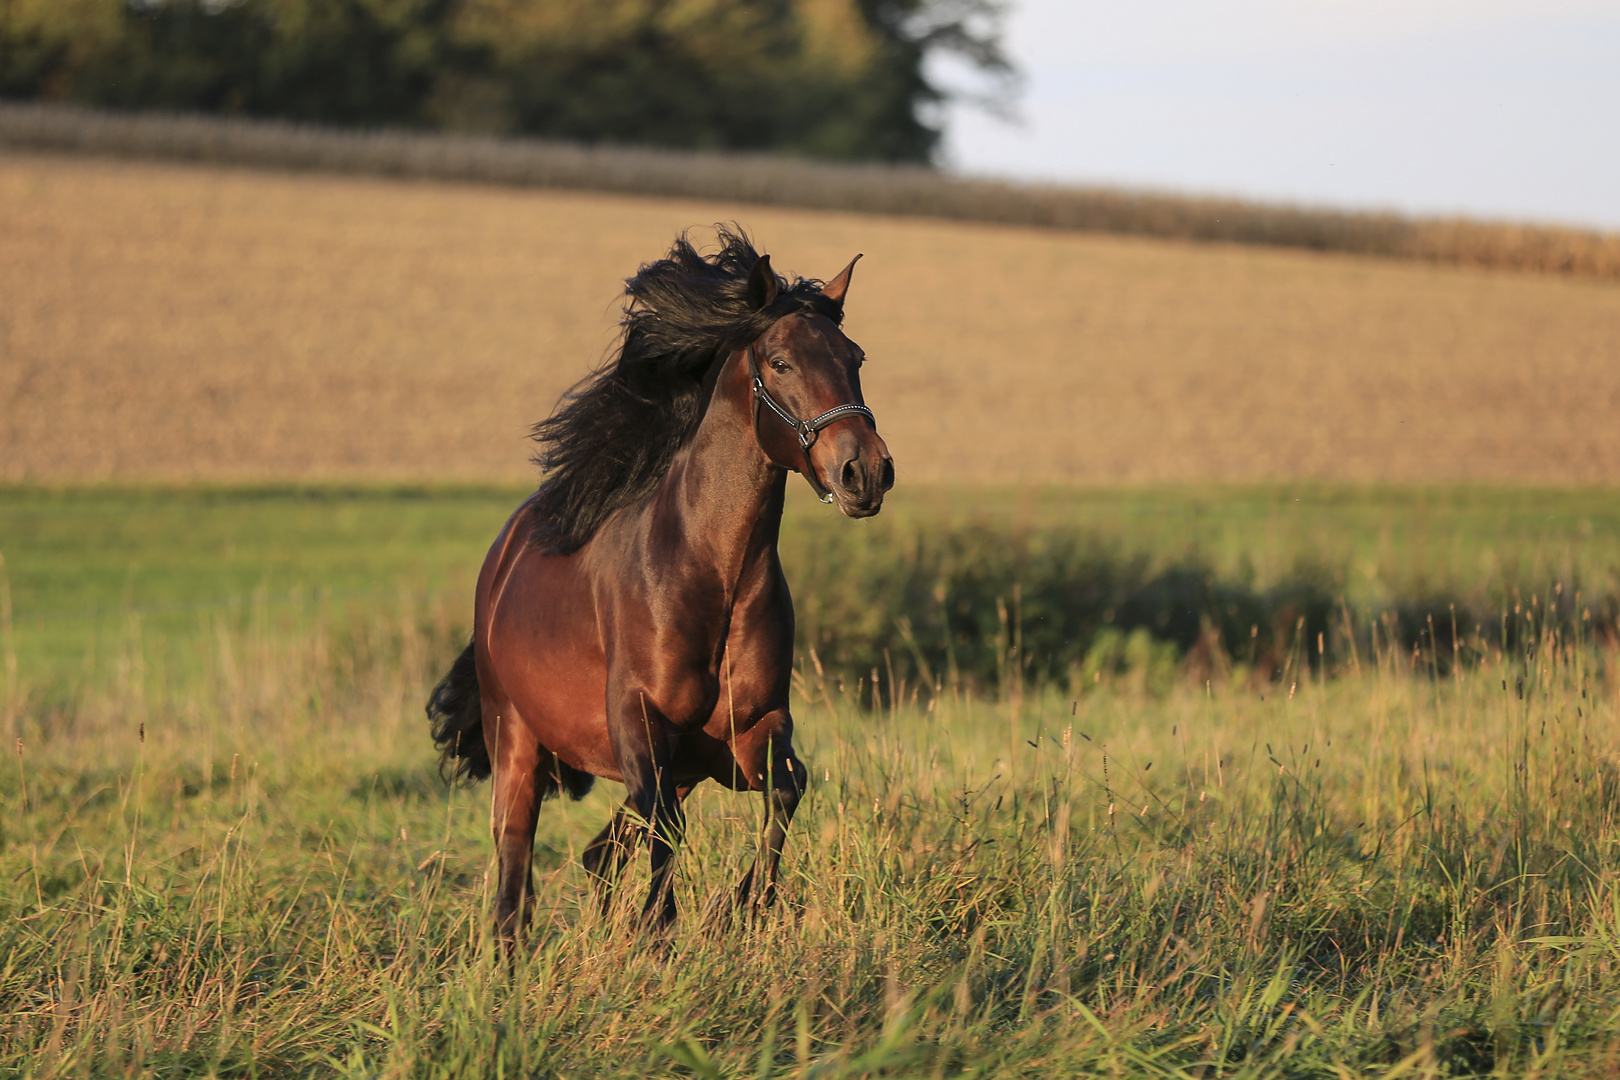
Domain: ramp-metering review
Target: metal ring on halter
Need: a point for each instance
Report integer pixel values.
(808, 430)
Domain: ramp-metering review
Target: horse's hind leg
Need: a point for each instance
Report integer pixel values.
(514, 809)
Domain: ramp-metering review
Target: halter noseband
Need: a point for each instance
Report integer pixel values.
(807, 430)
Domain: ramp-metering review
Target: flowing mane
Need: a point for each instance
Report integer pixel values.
(613, 436)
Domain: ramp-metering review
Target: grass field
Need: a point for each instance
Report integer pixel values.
(107, 582)
(191, 323)
(225, 852)
(248, 868)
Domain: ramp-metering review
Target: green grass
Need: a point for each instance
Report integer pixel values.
(1385, 540)
(104, 581)
(223, 850)
(92, 569)
(1378, 874)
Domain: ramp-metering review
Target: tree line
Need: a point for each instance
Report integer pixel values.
(836, 79)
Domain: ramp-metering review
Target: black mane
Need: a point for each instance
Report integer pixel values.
(613, 436)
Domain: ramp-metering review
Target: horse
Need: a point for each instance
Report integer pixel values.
(632, 621)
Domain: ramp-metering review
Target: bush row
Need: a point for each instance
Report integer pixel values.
(762, 179)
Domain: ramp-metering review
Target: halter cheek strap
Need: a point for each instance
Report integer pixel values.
(807, 430)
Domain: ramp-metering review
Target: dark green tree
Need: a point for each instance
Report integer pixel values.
(826, 78)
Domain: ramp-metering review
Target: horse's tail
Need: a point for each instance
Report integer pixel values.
(455, 710)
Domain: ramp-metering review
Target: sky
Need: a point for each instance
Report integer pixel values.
(1505, 109)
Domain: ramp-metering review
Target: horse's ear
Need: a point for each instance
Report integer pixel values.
(762, 284)
(835, 289)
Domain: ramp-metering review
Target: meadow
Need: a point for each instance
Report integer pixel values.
(121, 583)
(226, 852)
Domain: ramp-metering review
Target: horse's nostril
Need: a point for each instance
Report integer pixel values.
(847, 477)
(888, 473)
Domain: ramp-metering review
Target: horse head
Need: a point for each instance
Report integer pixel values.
(809, 414)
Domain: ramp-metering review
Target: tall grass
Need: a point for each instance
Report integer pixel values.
(983, 606)
(779, 181)
(1394, 872)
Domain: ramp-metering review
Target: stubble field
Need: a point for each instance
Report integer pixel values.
(257, 428)
(195, 323)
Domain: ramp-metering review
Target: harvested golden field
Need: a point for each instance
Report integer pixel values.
(187, 322)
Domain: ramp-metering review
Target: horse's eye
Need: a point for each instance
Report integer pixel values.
(778, 364)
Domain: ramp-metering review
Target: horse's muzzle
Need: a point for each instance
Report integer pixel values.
(864, 475)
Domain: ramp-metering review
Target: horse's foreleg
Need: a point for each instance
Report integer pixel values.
(644, 748)
(515, 806)
(788, 778)
(605, 857)
(771, 767)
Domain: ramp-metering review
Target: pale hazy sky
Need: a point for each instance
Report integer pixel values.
(1498, 108)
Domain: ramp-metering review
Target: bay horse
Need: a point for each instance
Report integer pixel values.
(632, 621)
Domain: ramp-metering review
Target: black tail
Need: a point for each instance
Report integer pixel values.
(456, 713)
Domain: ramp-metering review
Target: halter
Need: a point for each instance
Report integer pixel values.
(808, 430)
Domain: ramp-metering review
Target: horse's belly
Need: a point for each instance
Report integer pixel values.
(563, 704)
(545, 649)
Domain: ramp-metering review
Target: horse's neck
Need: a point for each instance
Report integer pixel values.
(727, 498)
